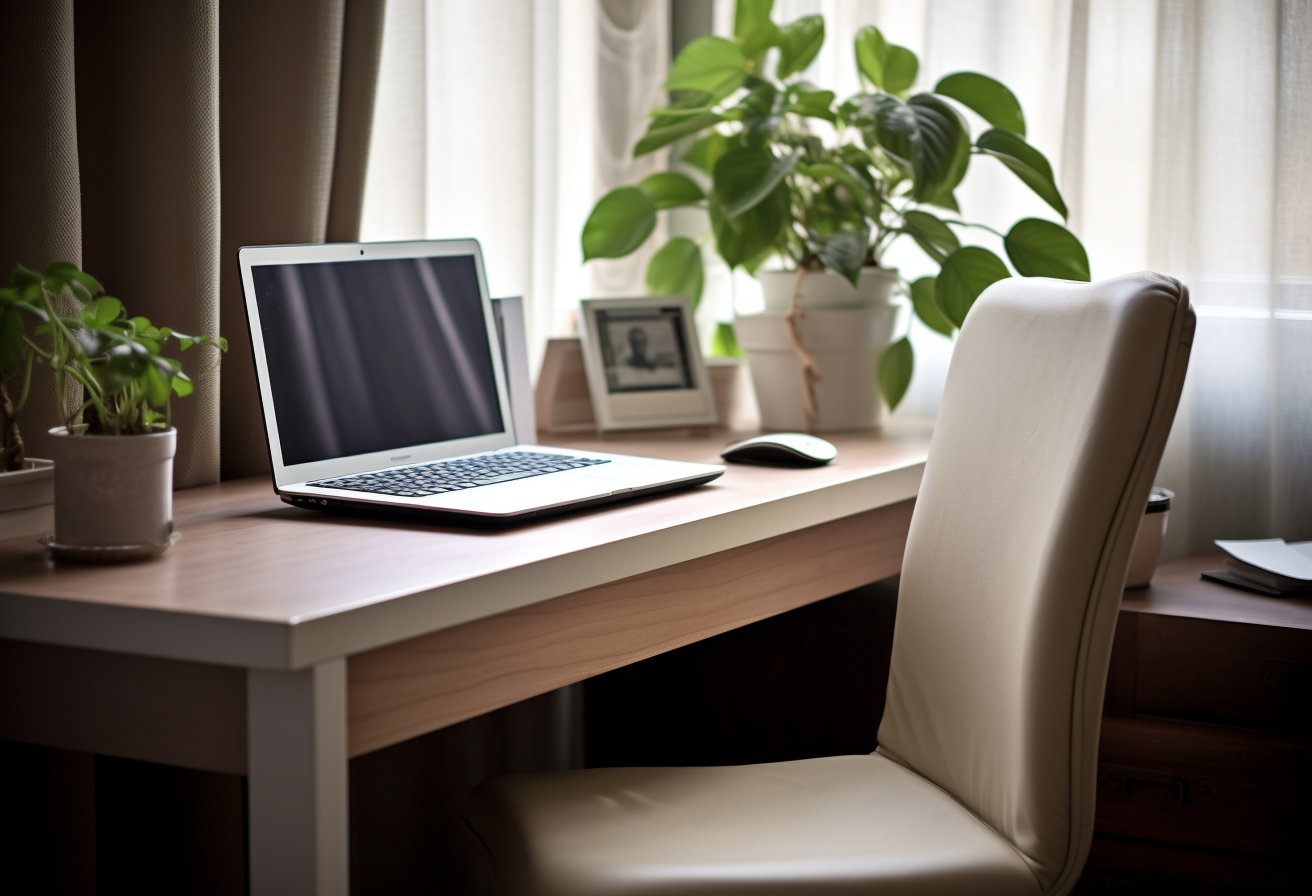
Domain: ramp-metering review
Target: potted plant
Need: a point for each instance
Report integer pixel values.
(113, 457)
(826, 208)
(27, 493)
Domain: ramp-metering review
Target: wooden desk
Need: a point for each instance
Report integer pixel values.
(277, 643)
(1207, 738)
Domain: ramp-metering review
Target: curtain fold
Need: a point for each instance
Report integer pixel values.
(148, 152)
(505, 121)
(39, 177)
(149, 141)
(295, 112)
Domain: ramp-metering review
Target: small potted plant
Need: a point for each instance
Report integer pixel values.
(27, 493)
(823, 210)
(113, 456)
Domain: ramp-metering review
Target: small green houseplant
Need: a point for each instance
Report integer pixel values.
(884, 166)
(27, 488)
(113, 455)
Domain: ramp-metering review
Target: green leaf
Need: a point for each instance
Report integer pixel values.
(989, 98)
(182, 385)
(668, 189)
(1026, 162)
(845, 175)
(80, 292)
(748, 15)
(968, 272)
(761, 38)
(724, 342)
(157, 386)
(925, 304)
(833, 171)
(947, 200)
(814, 104)
(676, 270)
(932, 235)
(842, 252)
(799, 42)
(871, 50)
(663, 132)
(620, 222)
(102, 311)
(744, 177)
(896, 365)
(22, 278)
(707, 151)
(11, 342)
(900, 68)
(709, 64)
(928, 136)
(67, 271)
(1039, 248)
(749, 238)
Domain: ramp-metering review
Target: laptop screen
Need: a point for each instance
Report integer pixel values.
(375, 355)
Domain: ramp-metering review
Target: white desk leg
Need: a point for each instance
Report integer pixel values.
(297, 785)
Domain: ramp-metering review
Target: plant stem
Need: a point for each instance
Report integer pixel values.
(810, 373)
(11, 440)
(980, 226)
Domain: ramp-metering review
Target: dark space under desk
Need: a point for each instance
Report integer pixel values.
(278, 643)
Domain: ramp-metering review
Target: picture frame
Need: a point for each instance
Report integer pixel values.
(644, 365)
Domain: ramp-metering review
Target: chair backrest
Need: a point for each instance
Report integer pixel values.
(1057, 406)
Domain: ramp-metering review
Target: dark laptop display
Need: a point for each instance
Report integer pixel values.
(370, 355)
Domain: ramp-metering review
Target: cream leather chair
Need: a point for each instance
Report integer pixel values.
(1057, 406)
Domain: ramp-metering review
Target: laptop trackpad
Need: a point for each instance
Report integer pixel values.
(521, 495)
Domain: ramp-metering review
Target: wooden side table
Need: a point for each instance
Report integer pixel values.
(1206, 752)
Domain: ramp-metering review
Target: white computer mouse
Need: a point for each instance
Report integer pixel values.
(783, 449)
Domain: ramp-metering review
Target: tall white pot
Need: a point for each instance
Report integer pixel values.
(113, 493)
(844, 329)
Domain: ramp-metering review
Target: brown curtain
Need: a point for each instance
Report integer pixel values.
(158, 137)
(297, 103)
(42, 199)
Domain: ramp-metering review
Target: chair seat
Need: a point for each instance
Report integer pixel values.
(842, 824)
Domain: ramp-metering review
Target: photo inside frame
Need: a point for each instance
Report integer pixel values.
(643, 349)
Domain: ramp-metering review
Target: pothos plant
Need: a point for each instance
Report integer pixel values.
(127, 381)
(884, 165)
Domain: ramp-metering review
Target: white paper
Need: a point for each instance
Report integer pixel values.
(1273, 555)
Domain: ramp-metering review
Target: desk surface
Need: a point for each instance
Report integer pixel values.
(257, 583)
(1176, 590)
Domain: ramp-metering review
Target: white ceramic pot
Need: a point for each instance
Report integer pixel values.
(27, 500)
(844, 329)
(846, 345)
(827, 290)
(114, 493)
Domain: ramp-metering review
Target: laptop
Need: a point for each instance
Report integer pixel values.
(384, 388)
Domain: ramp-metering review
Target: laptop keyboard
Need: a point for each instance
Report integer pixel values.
(461, 473)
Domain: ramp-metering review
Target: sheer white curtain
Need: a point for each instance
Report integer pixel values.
(1178, 129)
(1182, 139)
(505, 120)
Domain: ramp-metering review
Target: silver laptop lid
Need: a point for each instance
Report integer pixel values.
(373, 355)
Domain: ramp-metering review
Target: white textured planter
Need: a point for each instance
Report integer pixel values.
(113, 494)
(826, 290)
(27, 500)
(846, 345)
(844, 329)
